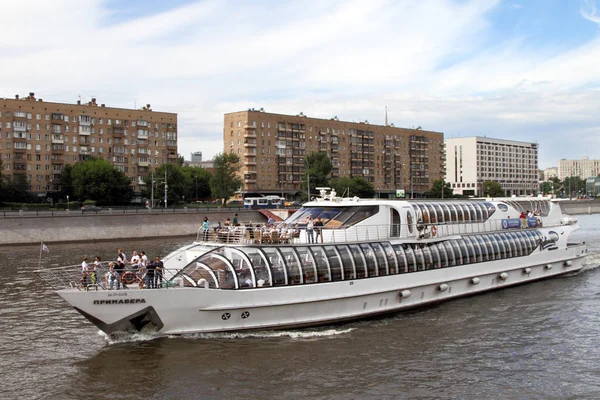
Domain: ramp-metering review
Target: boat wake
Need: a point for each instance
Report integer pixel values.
(132, 337)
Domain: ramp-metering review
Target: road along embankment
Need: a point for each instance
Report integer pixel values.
(75, 227)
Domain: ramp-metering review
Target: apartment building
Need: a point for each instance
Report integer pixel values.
(473, 160)
(583, 168)
(273, 148)
(38, 138)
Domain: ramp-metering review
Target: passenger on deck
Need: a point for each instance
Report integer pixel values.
(319, 229)
(206, 228)
(97, 266)
(142, 270)
(114, 277)
(310, 230)
(150, 269)
(235, 220)
(158, 272)
(85, 272)
(227, 222)
(135, 261)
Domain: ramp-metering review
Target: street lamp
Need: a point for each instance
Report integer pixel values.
(68, 207)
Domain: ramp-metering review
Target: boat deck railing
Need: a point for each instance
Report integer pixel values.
(361, 233)
(72, 277)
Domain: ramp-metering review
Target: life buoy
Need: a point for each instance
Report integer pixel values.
(128, 278)
(433, 231)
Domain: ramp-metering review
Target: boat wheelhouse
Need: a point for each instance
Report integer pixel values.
(370, 257)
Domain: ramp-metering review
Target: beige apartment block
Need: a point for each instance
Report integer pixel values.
(473, 160)
(38, 138)
(273, 148)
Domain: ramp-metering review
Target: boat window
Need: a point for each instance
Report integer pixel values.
(460, 212)
(435, 256)
(517, 243)
(500, 242)
(242, 268)
(490, 209)
(444, 260)
(347, 262)
(439, 213)
(222, 270)
(401, 257)
(323, 271)
(381, 259)
(475, 245)
(419, 257)
(418, 213)
(410, 258)
(359, 261)
(262, 272)
(486, 252)
(292, 264)
(452, 253)
(446, 211)
(508, 246)
(492, 245)
(391, 258)
(196, 271)
(409, 221)
(432, 212)
(472, 212)
(308, 266)
(333, 217)
(277, 266)
(502, 207)
(369, 259)
(453, 216)
(334, 263)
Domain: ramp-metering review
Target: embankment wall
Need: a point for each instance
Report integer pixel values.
(105, 226)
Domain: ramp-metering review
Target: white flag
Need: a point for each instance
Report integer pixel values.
(45, 248)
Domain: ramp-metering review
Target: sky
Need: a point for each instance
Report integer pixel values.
(518, 70)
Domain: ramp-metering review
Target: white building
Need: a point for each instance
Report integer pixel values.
(584, 168)
(473, 160)
(550, 173)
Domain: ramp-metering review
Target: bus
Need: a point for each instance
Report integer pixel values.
(263, 202)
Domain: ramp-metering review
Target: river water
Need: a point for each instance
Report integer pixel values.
(538, 341)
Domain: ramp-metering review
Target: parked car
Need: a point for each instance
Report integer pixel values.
(292, 204)
(90, 208)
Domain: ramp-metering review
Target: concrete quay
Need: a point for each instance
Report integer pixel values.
(574, 207)
(75, 227)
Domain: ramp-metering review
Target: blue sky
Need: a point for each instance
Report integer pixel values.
(520, 70)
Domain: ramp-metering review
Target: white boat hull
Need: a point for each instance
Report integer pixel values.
(196, 310)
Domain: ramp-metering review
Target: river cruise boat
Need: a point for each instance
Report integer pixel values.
(371, 257)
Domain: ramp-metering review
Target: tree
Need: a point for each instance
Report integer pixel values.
(180, 160)
(197, 182)
(175, 180)
(575, 184)
(436, 189)
(355, 186)
(96, 179)
(16, 189)
(316, 170)
(225, 180)
(66, 182)
(492, 189)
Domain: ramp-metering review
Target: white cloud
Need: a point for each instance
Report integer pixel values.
(589, 11)
(432, 62)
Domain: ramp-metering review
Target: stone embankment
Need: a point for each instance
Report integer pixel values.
(75, 227)
(573, 207)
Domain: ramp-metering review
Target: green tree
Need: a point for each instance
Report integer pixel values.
(225, 180)
(197, 183)
(16, 189)
(96, 179)
(316, 170)
(180, 160)
(355, 186)
(66, 182)
(492, 189)
(175, 182)
(436, 189)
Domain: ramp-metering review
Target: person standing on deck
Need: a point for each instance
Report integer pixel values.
(206, 228)
(85, 271)
(319, 229)
(158, 272)
(142, 270)
(310, 227)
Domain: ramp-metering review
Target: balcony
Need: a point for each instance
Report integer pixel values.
(19, 127)
(248, 126)
(250, 144)
(58, 118)
(250, 134)
(58, 149)
(117, 131)
(250, 162)
(57, 161)
(142, 134)
(85, 130)
(57, 141)
(85, 120)
(143, 164)
(172, 144)
(250, 153)
(20, 114)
